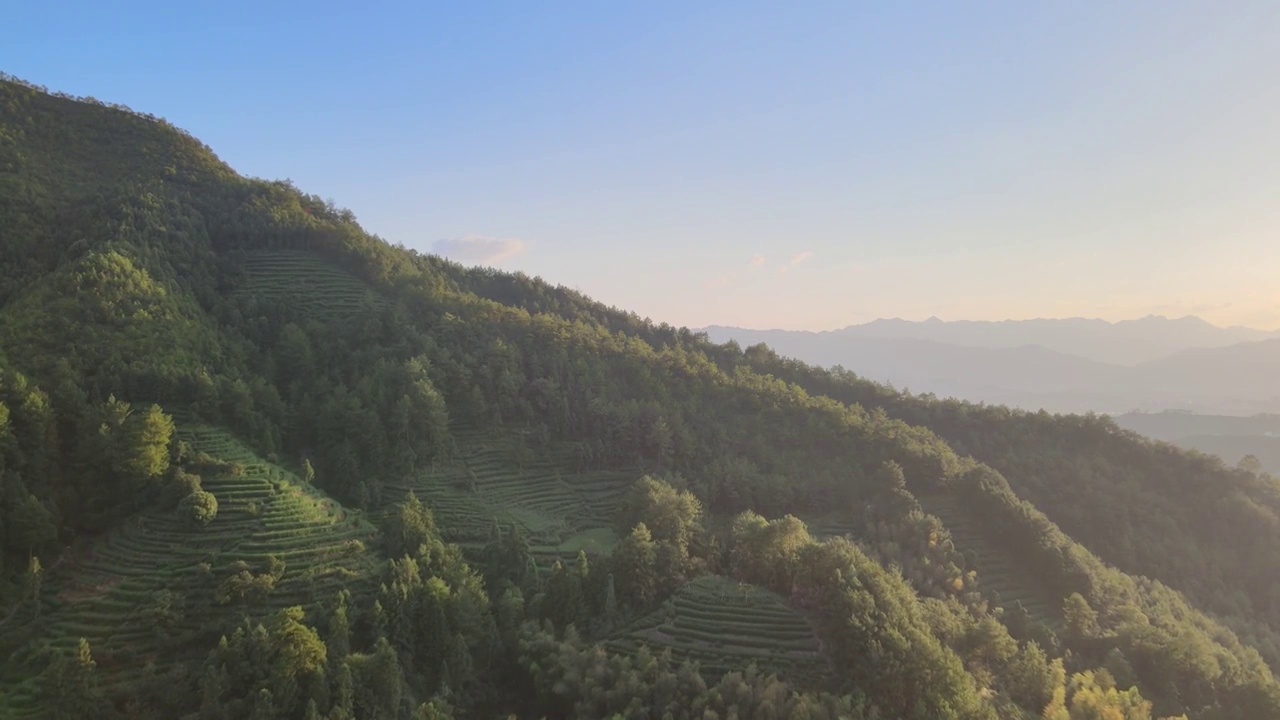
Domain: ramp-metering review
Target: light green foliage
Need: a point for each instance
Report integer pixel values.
(32, 584)
(199, 508)
(765, 552)
(121, 320)
(635, 567)
(1093, 695)
(671, 515)
(874, 631)
(146, 454)
(1031, 678)
(298, 655)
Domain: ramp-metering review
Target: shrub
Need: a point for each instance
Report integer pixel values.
(181, 485)
(199, 508)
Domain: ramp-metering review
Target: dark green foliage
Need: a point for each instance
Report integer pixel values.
(573, 681)
(268, 669)
(1146, 507)
(70, 687)
(411, 527)
(1032, 678)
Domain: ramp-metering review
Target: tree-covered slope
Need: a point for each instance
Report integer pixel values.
(493, 426)
(1147, 507)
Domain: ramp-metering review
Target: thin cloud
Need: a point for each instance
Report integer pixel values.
(756, 260)
(718, 282)
(798, 258)
(479, 248)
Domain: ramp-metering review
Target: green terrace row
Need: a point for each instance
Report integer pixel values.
(997, 569)
(317, 284)
(490, 479)
(724, 625)
(103, 592)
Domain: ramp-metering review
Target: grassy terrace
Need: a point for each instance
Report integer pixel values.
(106, 591)
(997, 569)
(725, 625)
(492, 479)
(302, 279)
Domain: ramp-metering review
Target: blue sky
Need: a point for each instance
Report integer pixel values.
(803, 165)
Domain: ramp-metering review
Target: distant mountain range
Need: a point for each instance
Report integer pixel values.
(1067, 365)
(1127, 342)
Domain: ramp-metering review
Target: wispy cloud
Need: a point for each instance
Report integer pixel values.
(755, 261)
(720, 281)
(479, 248)
(727, 278)
(796, 259)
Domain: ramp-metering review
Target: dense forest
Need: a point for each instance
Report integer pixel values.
(258, 463)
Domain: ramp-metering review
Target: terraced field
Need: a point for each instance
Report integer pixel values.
(490, 479)
(832, 526)
(997, 569)
(724, 625)
(301, 279)
(108, 591)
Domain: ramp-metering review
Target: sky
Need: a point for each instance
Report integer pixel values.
(799, 165)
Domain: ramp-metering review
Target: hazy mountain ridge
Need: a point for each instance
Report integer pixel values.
(1127, 342)
(1234, 378)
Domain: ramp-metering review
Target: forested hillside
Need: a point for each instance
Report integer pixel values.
(256, 462)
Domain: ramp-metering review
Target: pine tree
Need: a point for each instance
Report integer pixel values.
(1080, 619)
(458, 660)
(611, 614)
(344, 692)
(71, 686)
(634, 562)
(212, 688)
(339, 640)
(143, 448)
(33, 582)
